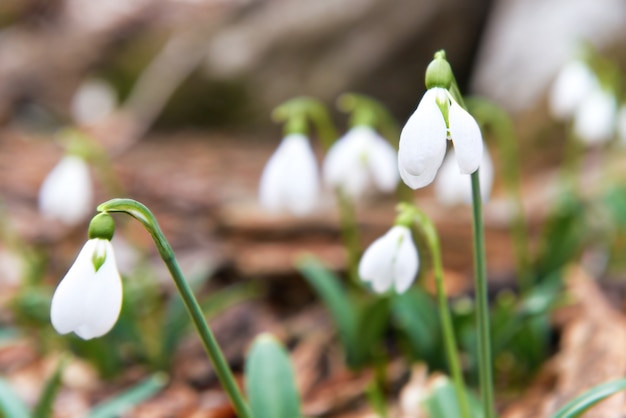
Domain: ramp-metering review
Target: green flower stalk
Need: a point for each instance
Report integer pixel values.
(440, 116)
(147, 219)
(409, 215)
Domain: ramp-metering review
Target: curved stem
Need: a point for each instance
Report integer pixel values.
(482, 302)
(224, 374)
(432, 238)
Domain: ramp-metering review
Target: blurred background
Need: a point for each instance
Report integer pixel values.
(177, 96)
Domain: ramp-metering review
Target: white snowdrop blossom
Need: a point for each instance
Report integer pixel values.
(573, 84)
(423, 139)
(453, 188)
(390, 261)
(88, 300)
(93, 101)
(359, 160)
(66, 193)
(594, 121)
(290, 180)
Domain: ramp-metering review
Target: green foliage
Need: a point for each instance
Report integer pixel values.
(10, 404)
(576, 407)
(43, 409)
(442, 401)
(118, 405)
(270, 381)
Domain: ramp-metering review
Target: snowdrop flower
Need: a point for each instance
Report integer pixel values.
(594, 120)
(453, 188)
(359, 160)
(290, 178)
(391, 260)
(89, 298)
(94, 100)
(571, 87)
(423, 139)
(66, 193)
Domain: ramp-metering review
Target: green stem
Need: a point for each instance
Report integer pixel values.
(350, 234)
(432, 238)
(482, 302)
(224, 374)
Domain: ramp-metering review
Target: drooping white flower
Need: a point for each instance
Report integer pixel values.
(93, 101)
(573, 84)
(88, 299)
(359, 160)
(290, 180)
(453, 188)
(423, 139)
(594, 120)
(66, 193)
(390, 261)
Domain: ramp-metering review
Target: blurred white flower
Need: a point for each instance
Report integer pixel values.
(573, 84)
(594, 120)
(290, 180)
(453, 188)
(93, 101)
(621, 124)
(391, 260)
(88, 299)
(66, 193)
(359, 160)
(423, 139)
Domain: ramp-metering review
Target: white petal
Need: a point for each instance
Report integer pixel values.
(422, 142)
(383, 165)
(406, 262)
(594, 121)
(453, 188)
(66, 193)
(466, 137)
(376, 265)
(88, 302)
(290, 178)
(103, 299)
(344, 166)
(572, 85)
(391, 259)
(67, 301)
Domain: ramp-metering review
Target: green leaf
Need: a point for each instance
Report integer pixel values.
(415, 314)
(270, 381)
(582, 403)
(130, 398)
(372, 322)
(329, 288)
(43, 409)
(442, 401)
(10, 404)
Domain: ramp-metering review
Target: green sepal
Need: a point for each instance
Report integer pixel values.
(98, 258)
(102, 226)
(439, 73)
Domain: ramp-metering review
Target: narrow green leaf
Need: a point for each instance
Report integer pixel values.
(43, 409)
(10, 404)
(582, 403)
(130, 398)
(415, 314)
(328, 286)
(270, 382)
